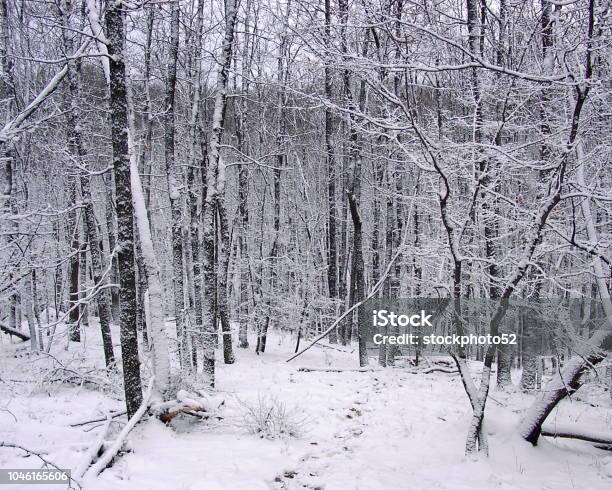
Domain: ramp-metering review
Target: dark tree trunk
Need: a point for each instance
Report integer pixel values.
(73, 317)
(77, 149)
(243, 175)
(141, 287)
(104, 309)
(112, 243)
(332, 247)
(223, 305)
(174, 185)
(125, 216)
(209, 321)
(357, 278)
(243, 211)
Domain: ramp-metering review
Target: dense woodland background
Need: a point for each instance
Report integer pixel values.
(286, 160)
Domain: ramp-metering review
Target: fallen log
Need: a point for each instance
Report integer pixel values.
(335, 370)
(11, 331)
(571, 432)
(439, 370)
(188, 404)
(430, 370)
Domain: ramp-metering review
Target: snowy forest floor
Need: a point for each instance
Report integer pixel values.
(384, 429)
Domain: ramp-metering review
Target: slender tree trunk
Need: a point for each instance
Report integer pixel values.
(194, 261)
(357, 277)
(77, 149)
(36, 309)
(504, 352)
(100, 281)
(241, 118)
(147, 147)
(154, 298)
(223, 260)
(125, 216)
(146, 164)
(174, 186)
(215, 199)
(83, 306)
(332, 247)
(75, 247)
(112, 243)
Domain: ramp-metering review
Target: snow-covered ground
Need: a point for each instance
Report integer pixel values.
(385, 429)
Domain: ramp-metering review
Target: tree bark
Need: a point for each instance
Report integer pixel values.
(332, 247)
(75, 250)
(77, 149)
(174, 187)
(125, 216)
(214, 204)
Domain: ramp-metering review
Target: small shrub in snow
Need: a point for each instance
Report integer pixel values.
(271, 418)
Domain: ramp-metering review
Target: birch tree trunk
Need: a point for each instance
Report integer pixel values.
(214, 204)
(154, 298)
(193, 251)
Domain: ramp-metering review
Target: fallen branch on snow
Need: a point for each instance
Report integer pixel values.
(66, 372)
(11, 331)
(336, 370)
(571, 432)
(435, 370)
(104, 460)
(100, 419)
